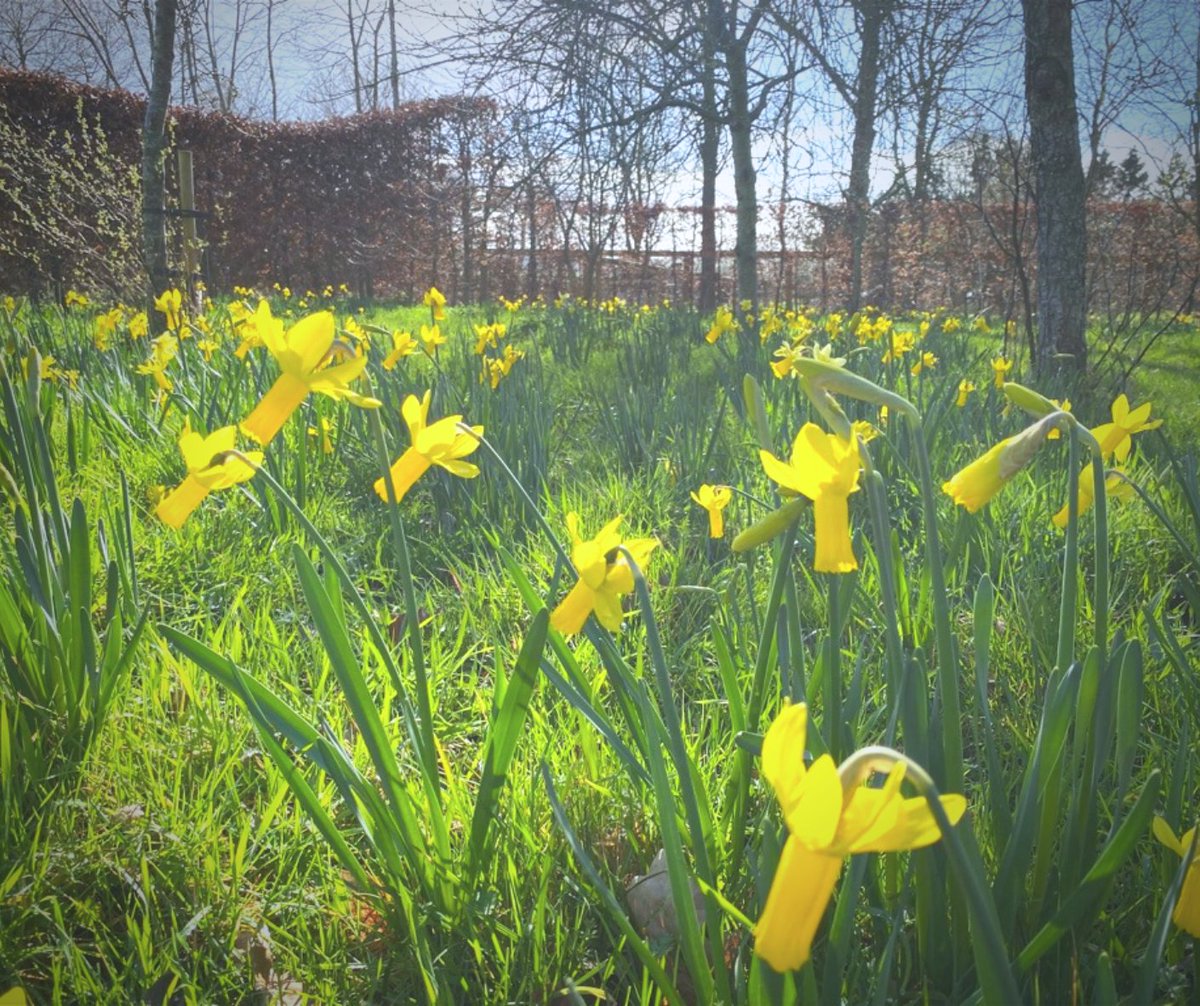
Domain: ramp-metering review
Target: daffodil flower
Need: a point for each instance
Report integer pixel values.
(1115, 487)
(209, 468)
(1115, 438)
(441, 443)
(604, 575)
(322, 430)
(1000, 368)
(304, 355)
(714, 499)
(169, 303)
(965, 388)
(435, 300)
(974, 486)
(1187, 909)
(723, 321)
(927, 362)
(824, 468)
(403, 344)
(829, 816)
(431, 338)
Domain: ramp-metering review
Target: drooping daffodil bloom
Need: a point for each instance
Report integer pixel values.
(824, 468)
(965, 388)
(1115, 487)
(714, 499)
(1187, 909)
(169, 303)
(403, 344)
(1115, 438)
(1000, 369)
(305, 355)
(210, 467)
(927, 362)
(441, 443)
(431, 338)
(830, 815)
(723, 321)
(435, 300)
(604, 576)
(975, 485)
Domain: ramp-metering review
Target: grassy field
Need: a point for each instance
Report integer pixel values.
(313, 746)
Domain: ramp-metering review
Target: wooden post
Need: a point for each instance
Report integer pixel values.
(187, 204)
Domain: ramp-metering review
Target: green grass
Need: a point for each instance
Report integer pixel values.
(172, 859)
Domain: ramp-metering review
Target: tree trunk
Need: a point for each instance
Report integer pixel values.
(154, 141)
(865, 99)
(709, 153)
(710, 149)
(744, 187)
(1058, 183)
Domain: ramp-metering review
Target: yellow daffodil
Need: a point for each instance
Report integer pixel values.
(322, 430)
(361, 337)
(973, 486)
(829, 816)
(604, 575)
(169, 303)
(1115, 438)
(1063, 406)
(1115, 488)
(723, 321)
(75, 299)
(403, 344)
(164, 349)
(824, 468)
(431, 338)
(207, 347)
(441, 443)
(488, 335)
(1000, 369)
(254, 329)
(899, 344)
(863, 430)
(951, 325)
(435, 300)
(714, 499)
(927, 362)
(1187, 909)
(106, 327)
(209, 467)
(965, 388)
(304, 354)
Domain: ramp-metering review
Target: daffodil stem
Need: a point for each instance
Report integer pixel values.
(951, 713)
(833, 671)
(877, 503)
(1100, 590)
(411, 614)
(1066, 611)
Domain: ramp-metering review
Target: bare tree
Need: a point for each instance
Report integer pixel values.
(848, 45)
